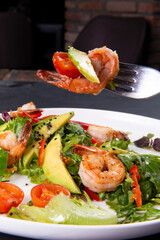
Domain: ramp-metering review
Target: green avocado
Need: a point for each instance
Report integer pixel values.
(55, 169)
(83, 63)
(45, 129)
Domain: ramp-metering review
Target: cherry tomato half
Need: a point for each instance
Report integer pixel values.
(10, 195)
(64, 65)
(41, 194)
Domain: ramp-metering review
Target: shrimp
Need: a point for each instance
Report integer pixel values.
(99, 170)
(104, 134)
(15, 146)
(106, 65)
(28, 108)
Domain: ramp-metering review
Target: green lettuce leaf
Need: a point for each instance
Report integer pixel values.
(62, 209)
(33, 171)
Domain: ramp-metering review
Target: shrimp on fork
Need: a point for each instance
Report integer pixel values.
(100, 171)
(15, 146)
(106, 65)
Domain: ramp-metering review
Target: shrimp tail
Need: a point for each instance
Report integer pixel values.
(18, 149)
(77, 85)
(121, 135)
(81, 149)
(25, 133)
(56, 79)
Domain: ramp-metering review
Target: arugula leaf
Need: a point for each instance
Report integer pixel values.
(1, 121)
(149, 169)
(3, 162)
(71, 134)
(122, 194)
(118, 143)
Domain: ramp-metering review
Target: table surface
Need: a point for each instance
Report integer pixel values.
(21, 86)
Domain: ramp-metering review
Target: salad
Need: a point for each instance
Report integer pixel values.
(75, 166)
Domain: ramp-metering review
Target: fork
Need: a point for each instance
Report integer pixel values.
(135, 81)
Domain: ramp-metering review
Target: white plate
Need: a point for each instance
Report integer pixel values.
(138, 126)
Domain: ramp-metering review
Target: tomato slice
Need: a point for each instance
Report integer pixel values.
(64, 65)
(10, 195)
(41, 194)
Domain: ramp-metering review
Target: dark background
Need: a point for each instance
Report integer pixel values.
(46, 19)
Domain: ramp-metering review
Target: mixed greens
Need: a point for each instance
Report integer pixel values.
(76, 210)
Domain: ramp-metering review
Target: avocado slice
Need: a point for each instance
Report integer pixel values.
(83, 63)
(45, 129)
(54, 168)
(62, 209)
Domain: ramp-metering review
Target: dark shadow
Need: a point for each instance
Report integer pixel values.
(16, 42)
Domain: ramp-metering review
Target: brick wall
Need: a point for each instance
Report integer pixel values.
(79, 12)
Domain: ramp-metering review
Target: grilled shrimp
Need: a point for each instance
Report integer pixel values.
(104, 134)
(106, 65)
(99, 170)
(28, 108)
(15, 146)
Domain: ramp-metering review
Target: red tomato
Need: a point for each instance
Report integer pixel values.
(42, 118)
(91, 194)
(33, 117)
(136, 188)
(64, 65)
(10, 196)
(84, 125)
(95, 141)
(41, 151)
(41, 194)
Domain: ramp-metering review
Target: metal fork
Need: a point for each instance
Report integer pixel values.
(136, 81)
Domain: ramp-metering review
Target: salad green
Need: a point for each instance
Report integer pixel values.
(75, 210)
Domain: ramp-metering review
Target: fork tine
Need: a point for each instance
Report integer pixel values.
(128, 67)
(123, 90)
(125, 79)
(136, 81)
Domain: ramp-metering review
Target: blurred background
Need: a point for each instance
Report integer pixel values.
(31, 31)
